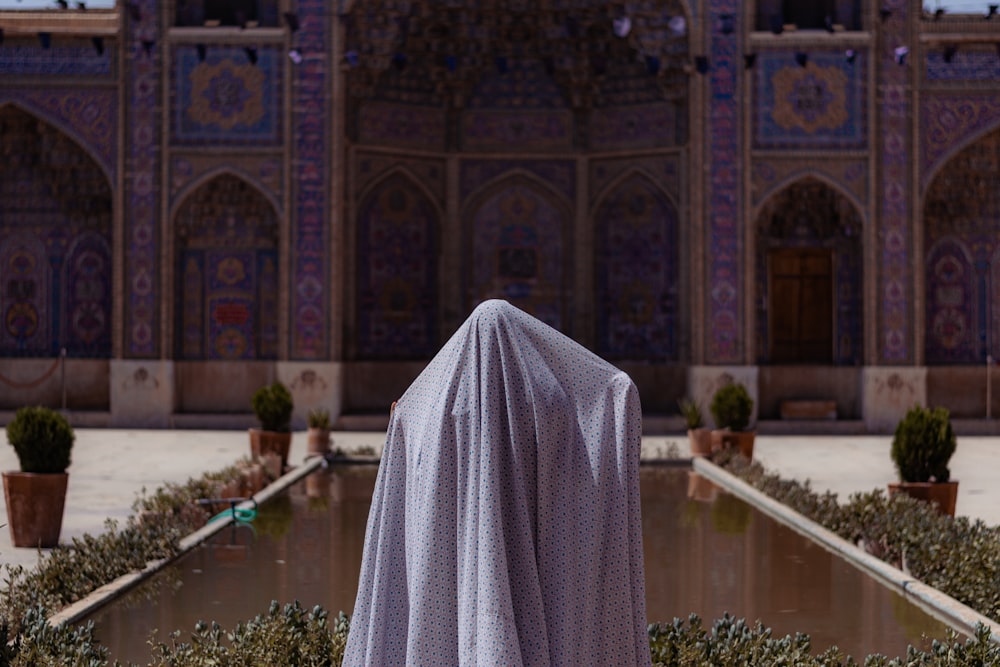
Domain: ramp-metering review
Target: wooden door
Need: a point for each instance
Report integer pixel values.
(800, 306)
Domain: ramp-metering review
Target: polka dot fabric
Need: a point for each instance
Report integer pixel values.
(505, 526)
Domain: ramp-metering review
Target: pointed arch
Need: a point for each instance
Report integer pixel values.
(397, 241)
(60, 125)
(815, 174)
(55, 235)
(809, 273)
(954, 150)
(637, 270)
(226, 245)
(961, 217)
(182, 195)
(517, 246)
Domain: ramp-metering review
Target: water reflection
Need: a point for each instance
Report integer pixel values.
(706, 552)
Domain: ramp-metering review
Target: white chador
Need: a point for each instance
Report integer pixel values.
(505, 526)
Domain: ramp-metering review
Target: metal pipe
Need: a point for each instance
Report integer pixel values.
(62, 374)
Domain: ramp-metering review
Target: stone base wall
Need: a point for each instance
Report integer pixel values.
(888, 392)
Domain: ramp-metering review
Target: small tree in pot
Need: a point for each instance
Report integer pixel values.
(36, 496)
(273, 406)
(922, 447)
(731, 409)
(699, 437)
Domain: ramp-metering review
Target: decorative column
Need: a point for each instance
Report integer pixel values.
(895, 278)
(724, 265)
(309, 337)
(142, 381)
(889, 389)
(142, 289)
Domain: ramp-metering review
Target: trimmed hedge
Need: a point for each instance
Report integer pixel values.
(962, 557)
(71, 572)
(959, 557)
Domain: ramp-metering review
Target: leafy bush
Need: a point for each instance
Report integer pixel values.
(282, 636)
(733, 643)
(961, 558)
(72, 572)
(923, 445)
(319, 418)
(273, 406)
(691, 412)
(42, 438)
(731, 407)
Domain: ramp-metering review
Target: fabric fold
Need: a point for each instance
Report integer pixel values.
(505, 526)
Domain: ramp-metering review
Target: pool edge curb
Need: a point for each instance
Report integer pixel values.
(115, 589)
(943, 607)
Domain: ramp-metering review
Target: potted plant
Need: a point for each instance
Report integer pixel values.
(36, 495)
(699, 437)
(318, 422)
(731, 409)
(272, 404)
(921, 449)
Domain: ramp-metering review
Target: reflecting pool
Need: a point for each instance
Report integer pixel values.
(706, 552)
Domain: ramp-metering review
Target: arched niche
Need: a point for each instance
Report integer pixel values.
(517, 249)
(961, 226)
(396, 301)
(226, 242)
(55, 238)
(637, 272)
(808, 281)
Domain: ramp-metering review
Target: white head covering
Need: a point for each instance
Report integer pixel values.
(505, 525)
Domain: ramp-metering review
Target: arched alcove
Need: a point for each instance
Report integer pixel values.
(226, 268)
(396, 278)
(637, 273)
(962, 222)
(809, 277)
(517, 250)
(55, 239)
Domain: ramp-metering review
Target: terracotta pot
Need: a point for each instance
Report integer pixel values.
(741, 441)
(270, 442)
(318, 441)
(701, 441)
(35, 505)
(942, 494)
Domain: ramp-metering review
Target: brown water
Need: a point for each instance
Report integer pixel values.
(706, 552)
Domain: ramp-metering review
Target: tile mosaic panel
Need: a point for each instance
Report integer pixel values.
(397, 275)
(518, 251)
(637, 273)
(225, 98)
(724, 233)
(821, 105)
(309, 266)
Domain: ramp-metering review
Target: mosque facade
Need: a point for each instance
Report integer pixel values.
(200, 197)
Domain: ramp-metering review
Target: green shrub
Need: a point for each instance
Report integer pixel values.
(319, 418)
(731, 407)
(42, 438)
(958, 557)
(691, 412)
(923, 445)
(287, 635)
(273, 406)
(73, 571)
